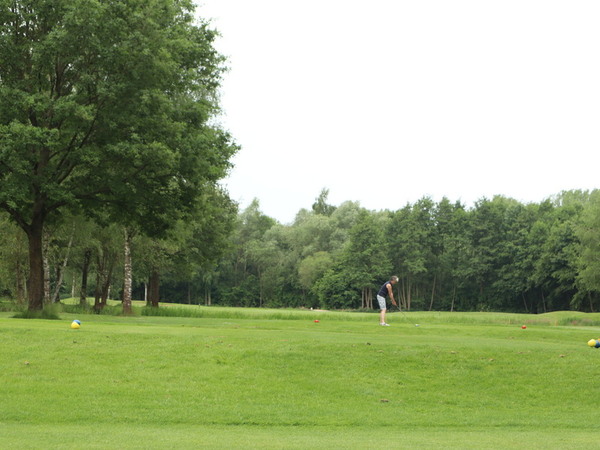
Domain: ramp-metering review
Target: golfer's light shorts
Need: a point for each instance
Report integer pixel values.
(381, 301)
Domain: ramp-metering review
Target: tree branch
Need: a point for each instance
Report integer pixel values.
(16, 216)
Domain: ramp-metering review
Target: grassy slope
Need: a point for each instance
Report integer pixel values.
(156, 382)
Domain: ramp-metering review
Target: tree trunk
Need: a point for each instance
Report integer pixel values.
(87, 257)
(36, 264)
(189, 293)
(146, 299)
(46, 264)
(402, 293)
(154, 288)
(524, 302)
(207, 296)
(107, 283)
(408, 298)
(432, 293)
(61, 270)
(260, 290)
(453, 298)
(127, 275)
(98, 291)
(544, 301)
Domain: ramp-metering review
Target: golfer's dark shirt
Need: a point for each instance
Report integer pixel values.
(383, 291)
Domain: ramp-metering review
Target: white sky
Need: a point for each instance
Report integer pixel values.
(386, 101)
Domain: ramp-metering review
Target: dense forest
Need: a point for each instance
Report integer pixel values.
(498, 255)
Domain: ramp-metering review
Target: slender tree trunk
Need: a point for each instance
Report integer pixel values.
(524, 302)
(46, 263)
(260, 287)
(87, 257)
(408, 298)
(154, 288)
(107, 282)
(432, 293)
(403, 300)
(98, 291)
(453, 298)
(189, 293)
(544, 301)
(127, 274)
(591, 302)
(207, 296)
(61, 271)
(146, 299)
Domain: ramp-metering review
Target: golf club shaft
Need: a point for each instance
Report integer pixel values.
(404, 315)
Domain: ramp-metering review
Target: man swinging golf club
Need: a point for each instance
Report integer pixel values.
(386, 289)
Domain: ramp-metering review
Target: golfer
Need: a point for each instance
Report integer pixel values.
(386, 289)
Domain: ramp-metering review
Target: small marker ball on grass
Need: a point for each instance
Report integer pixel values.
(594, 343)
(75, 324)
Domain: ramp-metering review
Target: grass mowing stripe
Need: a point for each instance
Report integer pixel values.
(151, 437)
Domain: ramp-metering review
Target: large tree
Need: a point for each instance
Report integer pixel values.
(105, 107)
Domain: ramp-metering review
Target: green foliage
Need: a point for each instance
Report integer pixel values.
(313, 268)
(13, 259)
(499, 255)
(106, 109)
(320, 206)
(50, 312)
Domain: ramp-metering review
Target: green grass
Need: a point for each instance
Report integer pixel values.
(249, 379)
(572, 318)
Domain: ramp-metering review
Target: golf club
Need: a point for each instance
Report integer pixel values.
(405, 316)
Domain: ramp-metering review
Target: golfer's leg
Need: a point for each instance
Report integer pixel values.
(382, 307)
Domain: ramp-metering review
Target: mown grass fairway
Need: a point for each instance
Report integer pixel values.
(457, 381)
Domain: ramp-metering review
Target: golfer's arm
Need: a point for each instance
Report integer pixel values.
(389, 286)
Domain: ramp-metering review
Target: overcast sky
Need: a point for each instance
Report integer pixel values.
(387, 101)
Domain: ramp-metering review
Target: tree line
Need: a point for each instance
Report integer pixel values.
(497, 255)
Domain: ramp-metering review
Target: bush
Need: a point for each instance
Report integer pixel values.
(7, 305)
(49, 312)
(172, 312)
